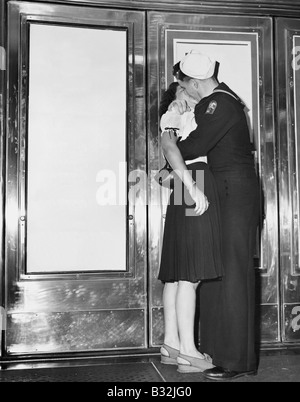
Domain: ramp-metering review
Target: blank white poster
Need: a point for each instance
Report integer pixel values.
(76, 145)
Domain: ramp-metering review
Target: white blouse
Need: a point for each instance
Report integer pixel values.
(185, 123)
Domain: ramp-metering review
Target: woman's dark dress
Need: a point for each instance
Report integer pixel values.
(192, 244)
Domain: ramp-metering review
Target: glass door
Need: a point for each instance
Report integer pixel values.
(247, 41)
(288, 82)
(75, 241)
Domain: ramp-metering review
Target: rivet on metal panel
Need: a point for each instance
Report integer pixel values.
(291, 84)
(130, 217)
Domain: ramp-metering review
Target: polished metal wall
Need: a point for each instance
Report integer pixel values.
(116, 311)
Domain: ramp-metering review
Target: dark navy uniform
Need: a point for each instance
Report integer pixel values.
(228, 306)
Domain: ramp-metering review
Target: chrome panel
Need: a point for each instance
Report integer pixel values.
(86, 295)
(215, 27)
(54, 297)
(269, 323)
(75, 331)
(288, 78)
(2, 162)
(157, 316)
(233, 7)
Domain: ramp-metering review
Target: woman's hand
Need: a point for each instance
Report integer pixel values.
(168, 137)
(200, 199)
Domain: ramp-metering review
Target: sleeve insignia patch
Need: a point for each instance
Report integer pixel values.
(211, 107)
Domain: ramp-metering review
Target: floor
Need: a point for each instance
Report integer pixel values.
(283, 367)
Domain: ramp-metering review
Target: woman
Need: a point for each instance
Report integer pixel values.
(191, 250)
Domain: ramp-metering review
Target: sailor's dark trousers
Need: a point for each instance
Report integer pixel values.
(227, 306)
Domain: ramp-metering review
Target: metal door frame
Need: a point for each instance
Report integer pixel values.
(78, 304)
(288, 82)
(2, 168)
(267, 270)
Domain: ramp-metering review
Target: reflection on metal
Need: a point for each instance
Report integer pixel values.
(288, 40)
(195, 29)
(269, 324)
(78, 295)
(295, 89)
(267, 289)
(157, 315)
(75, 331)
(2, 159)
(61, 312)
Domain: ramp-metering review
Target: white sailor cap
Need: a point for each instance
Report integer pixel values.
(198, 65)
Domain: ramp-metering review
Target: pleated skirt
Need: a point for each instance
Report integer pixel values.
(192, 249)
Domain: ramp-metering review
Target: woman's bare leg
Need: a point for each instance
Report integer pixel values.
(185, 309)
(171, 336)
